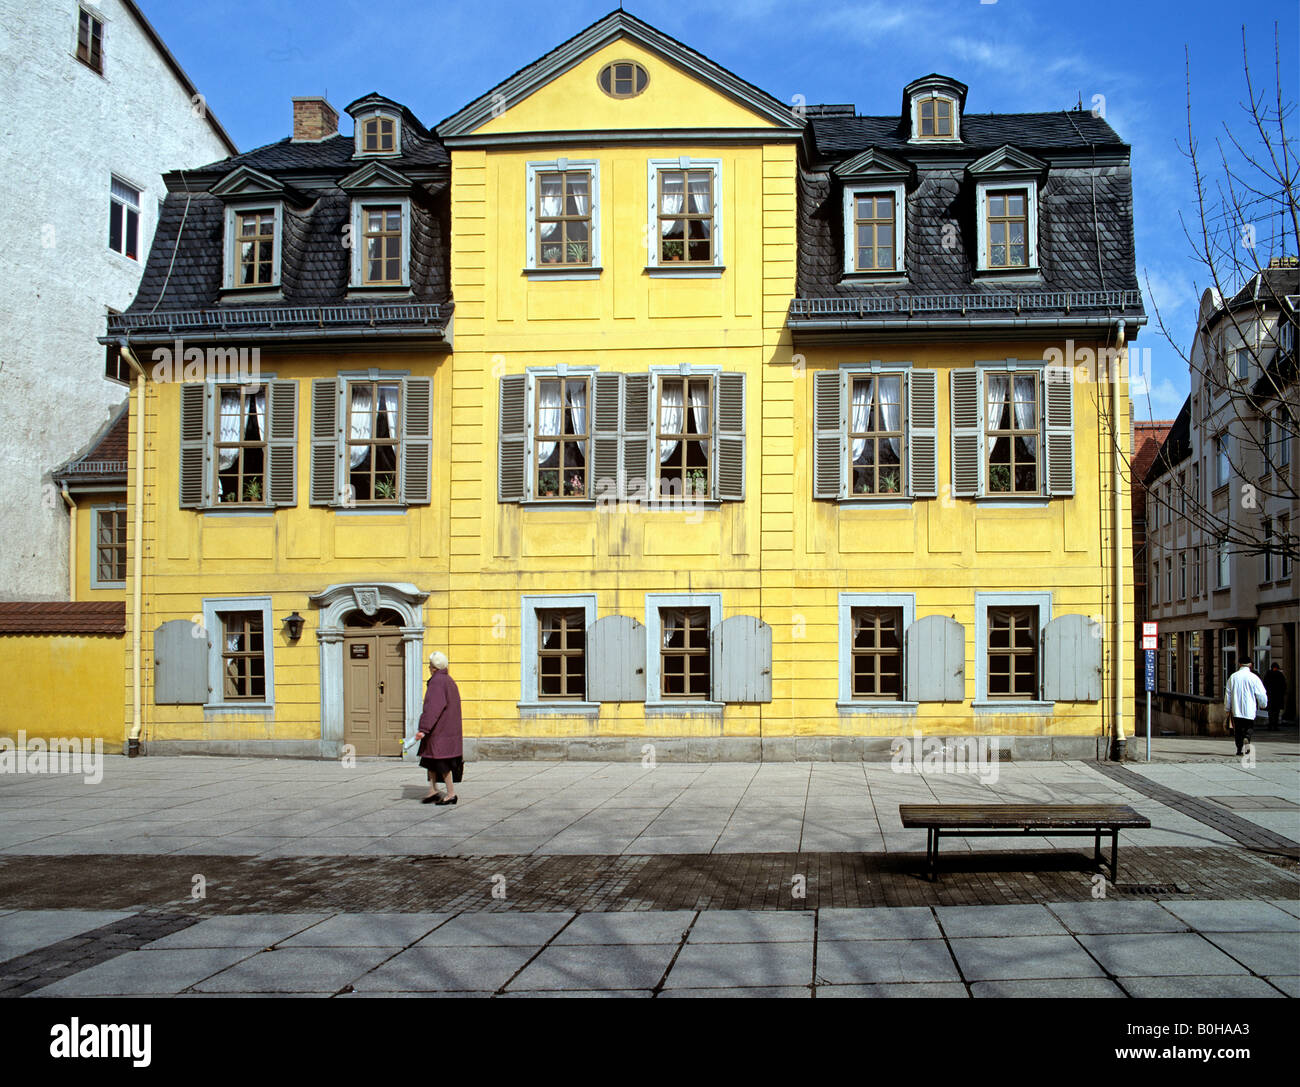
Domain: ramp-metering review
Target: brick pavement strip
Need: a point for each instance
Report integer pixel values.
(623, 882)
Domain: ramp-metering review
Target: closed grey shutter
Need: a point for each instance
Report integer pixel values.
(194, 446)
(923, 433)
(180, 663)
(511, 444)
(616, 647)
(967, 433)
(741, 660)
(1072, 659)
(282, 443)
(935, 649)
(729, 439)
(1058, 427)
(636, 438)
(417, 441)
(324, 441)
(829, 435)
(604, 483)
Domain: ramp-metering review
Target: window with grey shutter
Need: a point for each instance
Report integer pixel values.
(741, 652)
(282, 442)
(967, 433)
(606, 483)
(1072, 659)
(324, 441)
(417, 440)
(194, 446)
(616, 656)
(1058, 429)
(512, 447)
(829, 423)
(180, 662)
(935, 651)
(923, 433)
(636, 437)
(729, 438)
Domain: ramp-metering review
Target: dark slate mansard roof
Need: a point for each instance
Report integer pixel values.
(1085, 218)
(180, 292)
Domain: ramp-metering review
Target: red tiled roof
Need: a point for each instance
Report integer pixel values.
(63, 617)
(106, 459)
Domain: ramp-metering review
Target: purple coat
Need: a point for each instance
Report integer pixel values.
(440, 718)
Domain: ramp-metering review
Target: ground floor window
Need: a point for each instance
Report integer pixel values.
(110, 547)
(1013, 653)
(684, 653)
(561, 653)
(243, 663)
(1228, 651)
(878, 653)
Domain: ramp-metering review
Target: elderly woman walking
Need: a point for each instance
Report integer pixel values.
(439, 732)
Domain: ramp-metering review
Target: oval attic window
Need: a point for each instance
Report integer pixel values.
(623, 79)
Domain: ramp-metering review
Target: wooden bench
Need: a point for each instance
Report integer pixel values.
(994, 820)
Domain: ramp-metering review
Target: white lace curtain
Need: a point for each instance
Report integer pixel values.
(551, 204)
(576, 397)
(701, 198)
(254, 428)
(550, 420)
(670, 419)
(700, 411)
(888, 403)
(890, 388)
(362, 416)
(671, 621)
(999, 413)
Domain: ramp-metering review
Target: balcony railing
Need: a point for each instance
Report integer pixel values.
(273, 317)
(907, 305)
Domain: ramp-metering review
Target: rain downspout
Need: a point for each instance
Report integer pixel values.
(137, 558)
(72, 542)
(1117, 544)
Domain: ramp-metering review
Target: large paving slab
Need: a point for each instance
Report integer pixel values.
(33, 929)
(1023, 958)
(148, 972)
(618, 966)
(733, 965)
(1170, 954)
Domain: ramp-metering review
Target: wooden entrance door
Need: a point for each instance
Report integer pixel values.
(374, 703)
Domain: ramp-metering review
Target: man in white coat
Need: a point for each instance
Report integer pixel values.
(1243, 698)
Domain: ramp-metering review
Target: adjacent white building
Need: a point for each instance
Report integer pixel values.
(95, 108)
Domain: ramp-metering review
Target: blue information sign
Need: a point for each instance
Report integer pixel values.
(1151, 669)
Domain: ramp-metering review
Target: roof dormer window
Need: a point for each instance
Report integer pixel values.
(934, 115)
(378, 134)
(932, 108)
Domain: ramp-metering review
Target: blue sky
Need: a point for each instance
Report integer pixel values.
(249, 57)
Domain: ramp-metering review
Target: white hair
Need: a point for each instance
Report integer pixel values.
(439, 660)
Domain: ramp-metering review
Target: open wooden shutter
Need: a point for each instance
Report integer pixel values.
(417, 441)
(1058, 429)
(616, 647)
(282, 443)
(741, 660)
(194, 446)
(1072, 659)
(512, 445)
(729, 438)
(923, 433)
(180, 663)
(605, 483)
(829, 435)
(935, 651)
(324, 441)
(636, 438)
(967, 433)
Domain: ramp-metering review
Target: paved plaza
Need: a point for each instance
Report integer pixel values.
(211, 876)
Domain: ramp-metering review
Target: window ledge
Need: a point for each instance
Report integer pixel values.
(387, 292)
(576, 272)
(864, 503)
(879, 709)
(1010, 502)
(238, 296)
(382, 509)
(247, 511)
(557, 503)
(685, 271)
(1011, 275)
(558, 709)
(874, 279)
(984, 709)
(684, 708)
(229, 709)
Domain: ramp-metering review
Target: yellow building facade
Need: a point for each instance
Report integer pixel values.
(613, 404)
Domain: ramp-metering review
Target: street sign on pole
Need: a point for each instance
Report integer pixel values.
(1151, 670)
(1150, 680)
(1150, 636)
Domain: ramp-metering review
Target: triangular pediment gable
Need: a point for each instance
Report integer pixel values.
(873, 164)
(1007, 161)
(376, 177)
(245, 182)
(618, 26)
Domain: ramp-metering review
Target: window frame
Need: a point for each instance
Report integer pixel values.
(532, 405)
(654, 647)
(897, 190)
(530, 636)
(97, 511)
(715, 265)
(994, 184)
(359, 123)
(115, 203)
(97, 19)
(1223, 564)
(393, 441)
(657, 434)
(240, 445)
(991, 436)
(1222, 460)
(534, 486)
(848, 602)
(612, 91)
(359, 259)
(213, 609)
(232, 261)
(874, 376)
(983, 602)
(592, 268)
(954, 116)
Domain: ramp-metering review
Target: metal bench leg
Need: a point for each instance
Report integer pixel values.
(1096, 847)
(934, 862)
(1114, 855)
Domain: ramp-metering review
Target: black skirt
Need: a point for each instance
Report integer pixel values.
(443, 767)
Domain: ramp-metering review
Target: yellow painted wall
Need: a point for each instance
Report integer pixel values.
(63, 685)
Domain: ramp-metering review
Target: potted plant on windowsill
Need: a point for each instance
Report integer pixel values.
(697, 482)
(577, 252)
(551, 254)
(889, 483)
(674, 251)
(548, 482)
(862, 487)
(1000, 477)
(574, 486)
(252, 490)
(386, 488)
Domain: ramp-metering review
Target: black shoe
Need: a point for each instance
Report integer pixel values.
(443, 803)
(436, 800)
